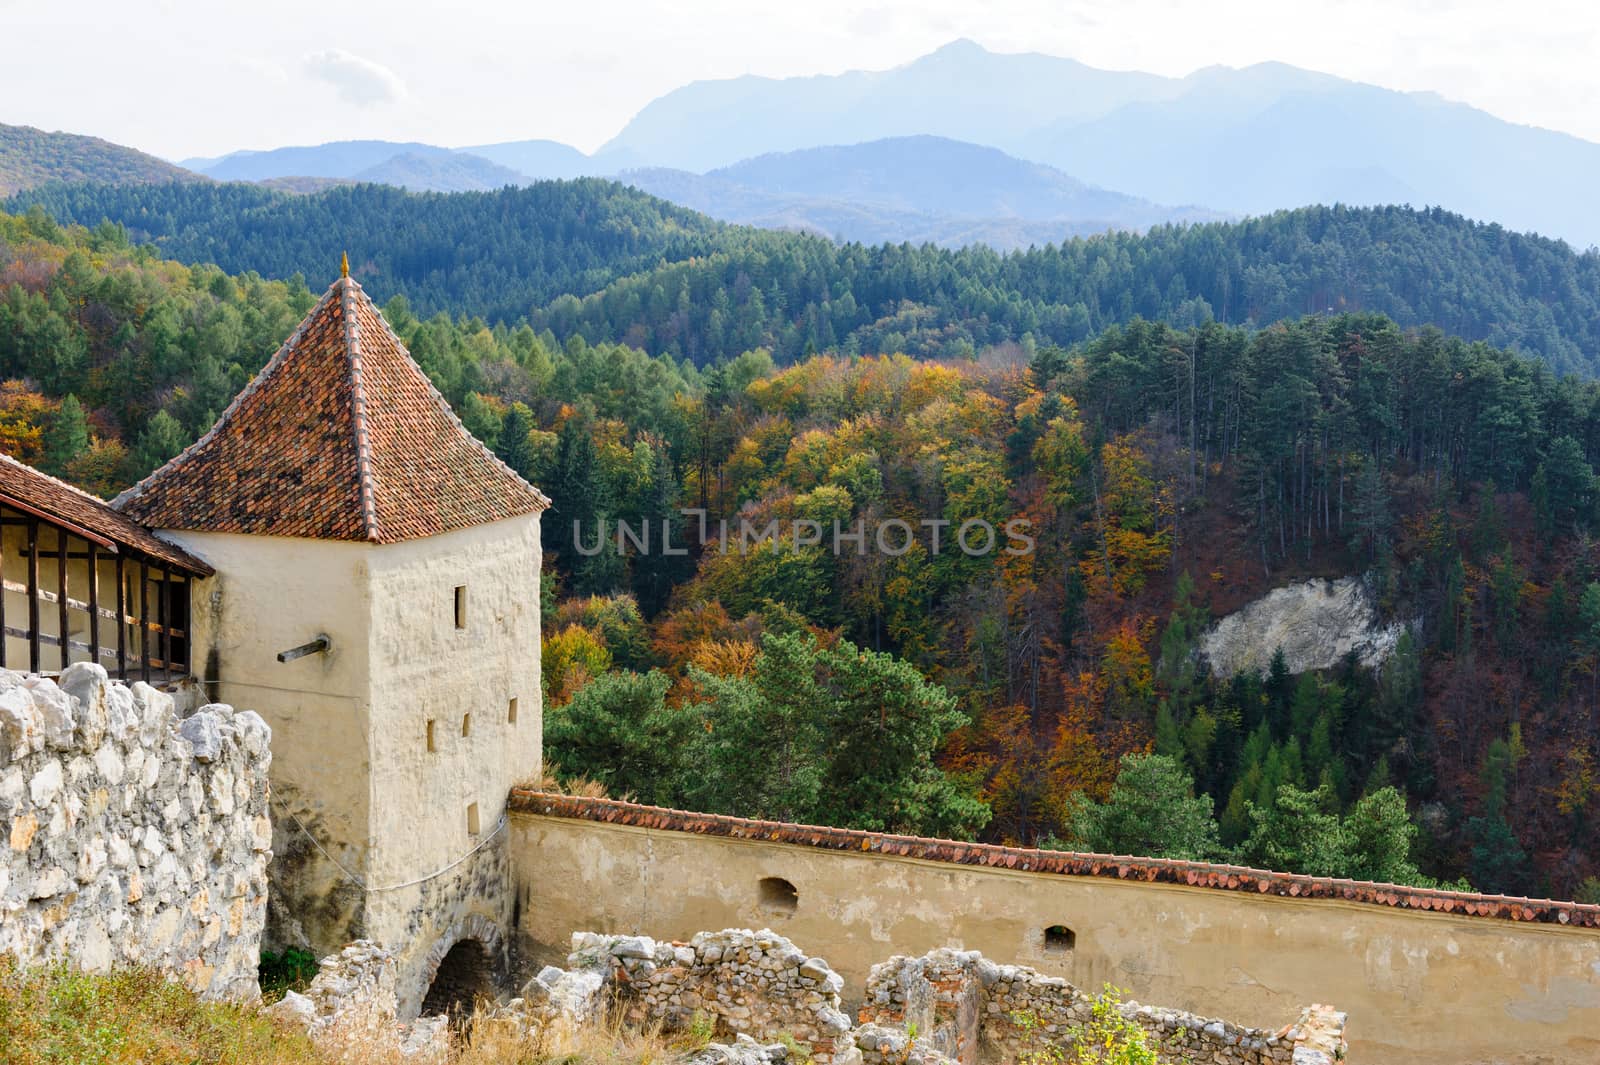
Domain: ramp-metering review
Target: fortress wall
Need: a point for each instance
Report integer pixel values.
(1465, 980)
(128, 837)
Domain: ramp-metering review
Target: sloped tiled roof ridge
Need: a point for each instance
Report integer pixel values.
(55, 500)
(340, 437)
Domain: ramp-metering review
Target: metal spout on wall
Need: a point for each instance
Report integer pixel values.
(321, 645)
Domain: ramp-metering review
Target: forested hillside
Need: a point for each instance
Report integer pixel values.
(611, 264)
(1163, 475)
(500, 254)
(30, 157)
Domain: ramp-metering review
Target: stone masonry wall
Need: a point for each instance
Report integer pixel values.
(969, 1009)
(128, 836)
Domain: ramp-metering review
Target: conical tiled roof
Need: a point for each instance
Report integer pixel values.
(340, 437)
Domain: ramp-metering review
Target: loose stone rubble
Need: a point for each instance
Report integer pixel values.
(128, 837)
(743, 1051)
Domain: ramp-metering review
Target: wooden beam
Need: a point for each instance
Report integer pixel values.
(144, 619)
(76, 556)
(61, 592)
(33, 595)
(79, 645)
(3, 640)
(47, 596)
(94, 603)
(163, 604)
(122, 620)
(186, 592)
(34, 514)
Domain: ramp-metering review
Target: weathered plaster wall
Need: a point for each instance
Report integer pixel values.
(426, 669)
(1420, 987)
(270, 594)
(353, 763)
(128, 837)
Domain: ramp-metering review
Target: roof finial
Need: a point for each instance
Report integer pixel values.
(344, 264)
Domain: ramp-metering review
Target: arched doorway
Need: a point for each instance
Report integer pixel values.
(464, 976)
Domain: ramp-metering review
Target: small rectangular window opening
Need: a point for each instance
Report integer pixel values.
(461, 606)
(511, 711)
(466, 724)
(1059, 939)
(472, 819)
(431, 745)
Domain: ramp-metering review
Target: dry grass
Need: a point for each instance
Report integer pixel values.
(134, 1017)
(582, 787)
(51, 1016)
(491, 1042)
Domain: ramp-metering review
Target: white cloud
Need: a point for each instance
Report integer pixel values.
(359, 80)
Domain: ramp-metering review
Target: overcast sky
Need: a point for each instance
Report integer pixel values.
(204, 77)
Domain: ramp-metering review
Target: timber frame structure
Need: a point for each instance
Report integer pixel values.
(80, 582)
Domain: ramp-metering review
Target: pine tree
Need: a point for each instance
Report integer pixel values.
(655, 572)
(1371, 511)
(515, 446)
(67, 437)
(162, 438)
(578, 528)
(481, 420)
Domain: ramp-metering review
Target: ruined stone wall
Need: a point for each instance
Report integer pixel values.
(754, 983)
(947, 1007)
(128, 836)
(970, 1009)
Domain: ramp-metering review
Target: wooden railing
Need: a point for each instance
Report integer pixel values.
(146, 643)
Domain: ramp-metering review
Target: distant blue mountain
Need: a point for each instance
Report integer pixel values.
(909, 189)
(441, 172)
(1248, 141)
(960, 91)
(515, 162)
(338, 159)
(1253, 140)
(538, 158)
(1333, 141)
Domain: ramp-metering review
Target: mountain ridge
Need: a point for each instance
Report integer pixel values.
(30, 157)
(909, 189)
(595, 258)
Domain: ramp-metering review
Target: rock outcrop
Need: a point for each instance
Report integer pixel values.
(1316, 623)
(130, 837)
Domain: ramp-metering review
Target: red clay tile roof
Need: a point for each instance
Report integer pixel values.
(24, 488)
(340, 437)
(1060, 863)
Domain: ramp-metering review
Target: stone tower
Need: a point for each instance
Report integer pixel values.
(376, 600)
